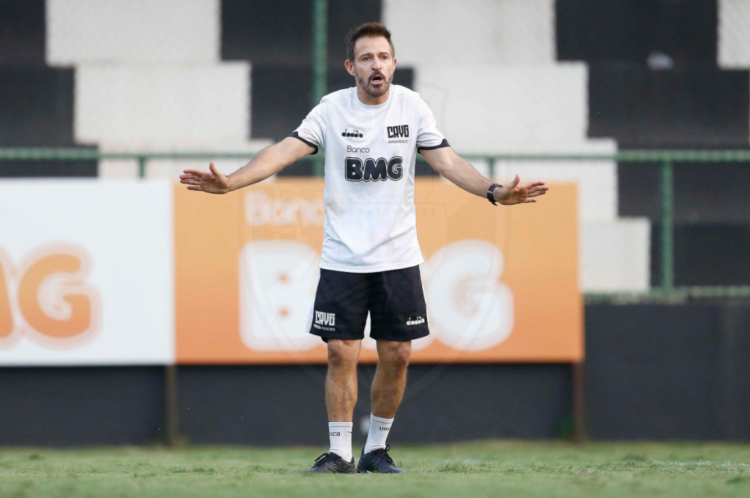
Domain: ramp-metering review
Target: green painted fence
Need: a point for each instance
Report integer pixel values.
(666, 159)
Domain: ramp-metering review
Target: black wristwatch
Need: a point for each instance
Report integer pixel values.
(491, 193)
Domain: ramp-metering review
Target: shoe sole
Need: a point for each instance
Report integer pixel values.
(376, 472)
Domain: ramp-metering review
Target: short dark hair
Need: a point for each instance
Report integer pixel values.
(367, 29)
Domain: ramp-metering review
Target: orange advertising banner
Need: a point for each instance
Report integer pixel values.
(501, 283)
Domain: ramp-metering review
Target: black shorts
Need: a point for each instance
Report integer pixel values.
(394, 299)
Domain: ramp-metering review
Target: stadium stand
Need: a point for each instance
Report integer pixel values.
(155, 82)
(658, 80)
(278, 43)
(535, 76)
(666, 74)
(36, 100)
(503, 91)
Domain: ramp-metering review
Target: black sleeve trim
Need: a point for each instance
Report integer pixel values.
(442, 144)
(296, 135)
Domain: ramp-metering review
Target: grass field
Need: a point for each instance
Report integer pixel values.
(507, 469)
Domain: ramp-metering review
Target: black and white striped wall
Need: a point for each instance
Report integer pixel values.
(501, 75)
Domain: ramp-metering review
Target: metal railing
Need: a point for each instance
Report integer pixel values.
(667, 159)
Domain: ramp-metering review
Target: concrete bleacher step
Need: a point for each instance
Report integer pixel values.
(734, 37)
(614, 255)
(137, 31)
(164, 103)
(478, 106)
(434, 32)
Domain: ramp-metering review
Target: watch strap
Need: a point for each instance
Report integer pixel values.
(491, 193)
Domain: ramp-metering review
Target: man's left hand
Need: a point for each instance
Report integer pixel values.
(519, 193)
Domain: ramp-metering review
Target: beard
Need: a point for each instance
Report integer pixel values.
(366, 85)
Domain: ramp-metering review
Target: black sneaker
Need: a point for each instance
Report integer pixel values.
(378, 461)
(333, 464)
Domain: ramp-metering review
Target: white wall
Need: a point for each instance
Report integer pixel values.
(525, 110)
(149, 77)
(479, 107)
(472, 31)
(488, 70)
(615, 255)
(163, 104)
(108, 31)
(734, 34)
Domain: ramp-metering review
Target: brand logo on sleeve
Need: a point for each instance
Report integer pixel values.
(415, 321)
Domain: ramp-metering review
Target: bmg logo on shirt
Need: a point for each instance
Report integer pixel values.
(373, 170)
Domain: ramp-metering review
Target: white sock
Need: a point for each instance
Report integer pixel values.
(379, 429)
(341, 439)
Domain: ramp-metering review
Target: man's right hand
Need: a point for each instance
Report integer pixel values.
(212, 182)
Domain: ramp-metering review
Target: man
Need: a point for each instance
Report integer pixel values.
(370, 260)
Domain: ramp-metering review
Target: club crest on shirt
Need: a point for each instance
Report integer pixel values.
(322, 318)
(401, 131)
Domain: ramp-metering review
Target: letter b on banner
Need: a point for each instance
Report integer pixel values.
(278, 282)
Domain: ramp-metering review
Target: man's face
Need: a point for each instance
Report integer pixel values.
(373, 65)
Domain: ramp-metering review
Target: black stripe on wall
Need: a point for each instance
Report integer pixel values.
(22, 33)
(628, 31)
(679, 108)
(269, 32)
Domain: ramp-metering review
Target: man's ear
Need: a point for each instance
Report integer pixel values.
(349, 67)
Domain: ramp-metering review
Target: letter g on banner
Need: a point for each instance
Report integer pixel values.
(58, 308)
(470, 309)
(8, 325)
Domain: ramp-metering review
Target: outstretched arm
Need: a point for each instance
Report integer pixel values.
(268, 162)
(459, 171)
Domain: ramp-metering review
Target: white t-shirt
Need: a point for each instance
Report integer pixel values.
(370, 155)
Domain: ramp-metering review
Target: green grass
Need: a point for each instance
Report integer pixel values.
(506, 469)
